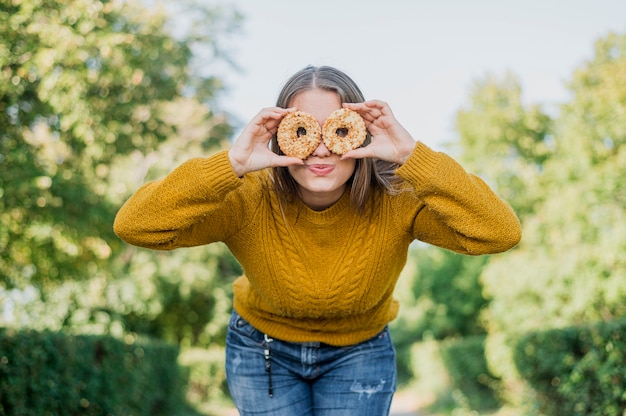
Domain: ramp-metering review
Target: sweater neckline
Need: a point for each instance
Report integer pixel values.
(331, 214)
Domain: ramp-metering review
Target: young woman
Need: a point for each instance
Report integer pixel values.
(322, 242)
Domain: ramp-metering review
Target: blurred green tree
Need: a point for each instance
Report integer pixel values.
(503, 140)
(95, 99)
(441, 296)
(561, 172)
(574, 242)
(506, 143)
(570, 265)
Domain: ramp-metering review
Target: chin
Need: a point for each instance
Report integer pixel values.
(323, 186)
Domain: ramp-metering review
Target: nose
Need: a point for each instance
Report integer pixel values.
(321, 150)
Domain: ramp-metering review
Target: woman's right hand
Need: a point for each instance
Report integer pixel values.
(251, 151)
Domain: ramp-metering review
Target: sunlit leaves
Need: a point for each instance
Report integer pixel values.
(599, 105)
(95, 98)
(81, 86)
(569, 268)
(505, 140)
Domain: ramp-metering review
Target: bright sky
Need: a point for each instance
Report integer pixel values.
(419, 56)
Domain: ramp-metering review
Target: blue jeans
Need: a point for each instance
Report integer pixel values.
(272, 377)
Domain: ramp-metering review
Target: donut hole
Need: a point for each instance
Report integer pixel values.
(299, 134)
(341, 132)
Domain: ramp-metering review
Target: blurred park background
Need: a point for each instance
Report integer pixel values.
(97, 97)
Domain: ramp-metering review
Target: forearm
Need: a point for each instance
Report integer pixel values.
(161, 211)
(462, 213)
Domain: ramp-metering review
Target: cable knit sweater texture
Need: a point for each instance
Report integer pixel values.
(325, 276)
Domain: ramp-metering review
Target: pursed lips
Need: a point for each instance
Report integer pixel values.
(320, 169)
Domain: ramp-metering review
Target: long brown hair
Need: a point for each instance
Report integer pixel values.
(369, 174)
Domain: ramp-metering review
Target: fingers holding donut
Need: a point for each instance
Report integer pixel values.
(267, 121)
(372, 111)
(274, 119)
(344, 130)
(390, 140)
(251, 152)
(299, 133)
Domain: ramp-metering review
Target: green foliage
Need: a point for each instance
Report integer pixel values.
(185, 312)
(569, 267)
(441, 298)
(594, 132)
(497, 123)
(82, 89)
(574, 242)
(452, 377)
(507, 143)
(95, 99)
(576, 370)
(466, 364)
(206, 386)
(93, 96)
(183, 297)
(504, 140)
(45, 373)
(449, 293)
(431, 381)
(79, 86)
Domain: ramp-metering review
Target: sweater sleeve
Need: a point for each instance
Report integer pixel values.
(460, 212)
(164, 214)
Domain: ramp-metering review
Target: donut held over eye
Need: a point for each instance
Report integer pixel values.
(343, 130)
(299, 134)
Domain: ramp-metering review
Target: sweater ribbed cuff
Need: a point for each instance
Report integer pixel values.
(217, 172)
(420, 165)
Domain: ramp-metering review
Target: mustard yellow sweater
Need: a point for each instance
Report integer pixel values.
(324, 276)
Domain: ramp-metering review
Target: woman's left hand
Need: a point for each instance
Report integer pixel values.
(390, 140)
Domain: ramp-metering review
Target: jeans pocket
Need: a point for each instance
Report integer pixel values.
(383, 334)
(239, 325)
(381, 340)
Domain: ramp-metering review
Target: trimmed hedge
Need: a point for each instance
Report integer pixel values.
(465, 361)
(45, 373)
(578, 370)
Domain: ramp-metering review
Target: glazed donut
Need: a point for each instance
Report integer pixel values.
(299, 134)
(343, 131)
